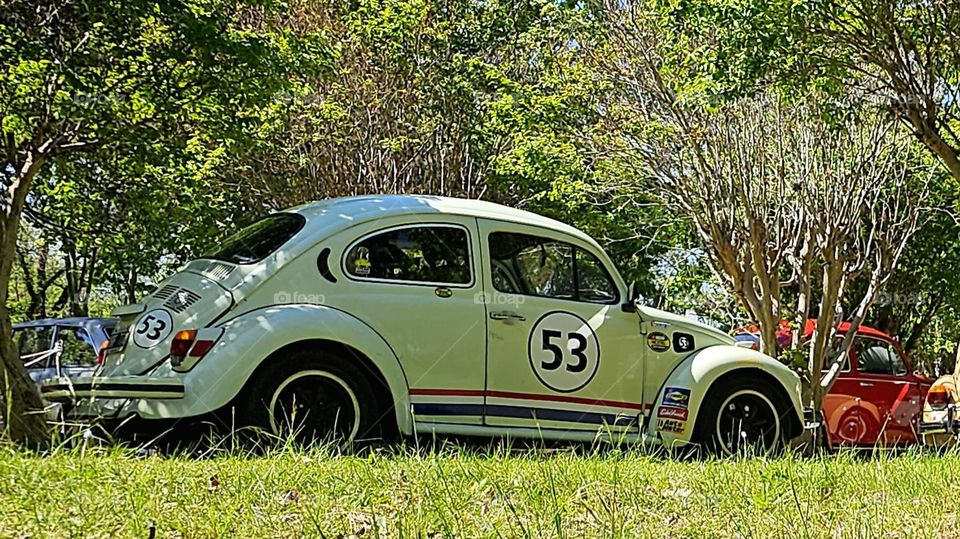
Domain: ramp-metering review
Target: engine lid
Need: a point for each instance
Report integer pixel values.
(187, 299)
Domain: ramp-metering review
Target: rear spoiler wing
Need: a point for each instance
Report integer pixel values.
(129, 310)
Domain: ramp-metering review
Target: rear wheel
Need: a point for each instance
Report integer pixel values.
(316, 397)
(747, 416)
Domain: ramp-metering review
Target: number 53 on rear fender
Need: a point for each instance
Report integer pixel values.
(357, 318)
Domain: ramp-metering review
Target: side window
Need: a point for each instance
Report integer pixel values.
(435, 254)
(594, 285)
(535, 266)
(546, 269)
(878, 357)
(32, 341)
(78, 349)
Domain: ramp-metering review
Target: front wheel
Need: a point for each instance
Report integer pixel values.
(747, 416)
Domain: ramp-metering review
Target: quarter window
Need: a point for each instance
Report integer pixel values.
(433, 254)
(534, 266)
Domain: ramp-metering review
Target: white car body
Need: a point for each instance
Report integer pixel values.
(458, 358)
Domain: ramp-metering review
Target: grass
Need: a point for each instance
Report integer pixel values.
(456, 492)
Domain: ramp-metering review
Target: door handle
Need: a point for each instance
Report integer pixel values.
(866, 384)
(507, 315)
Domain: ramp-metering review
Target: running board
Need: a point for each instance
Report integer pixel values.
(111, 387)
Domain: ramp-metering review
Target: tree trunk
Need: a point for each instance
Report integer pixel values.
(930, 137)
(911, 342)
(22, 405)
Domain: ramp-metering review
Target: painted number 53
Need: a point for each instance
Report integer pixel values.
(579, 362)
(152, 328)
(564, 351)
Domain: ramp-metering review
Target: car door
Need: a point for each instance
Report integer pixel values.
(561, 353)
(416, 283)
(847, 421)
(887, 391)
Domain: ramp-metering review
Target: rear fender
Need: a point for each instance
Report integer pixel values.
(672, 420)
(251, 338)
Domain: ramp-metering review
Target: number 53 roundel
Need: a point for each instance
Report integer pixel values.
(564, 351)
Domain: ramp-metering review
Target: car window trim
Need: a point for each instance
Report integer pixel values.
(430, 224)
(575, 247)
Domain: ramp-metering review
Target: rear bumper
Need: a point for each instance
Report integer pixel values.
(947, 422)
(112, 387)
(940, 427)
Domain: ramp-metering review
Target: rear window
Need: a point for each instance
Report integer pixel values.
(259, 240)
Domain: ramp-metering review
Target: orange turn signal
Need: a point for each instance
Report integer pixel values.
(182, 342)
(938, 397)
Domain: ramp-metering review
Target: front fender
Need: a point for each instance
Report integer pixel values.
(252, 337)
(695, 375)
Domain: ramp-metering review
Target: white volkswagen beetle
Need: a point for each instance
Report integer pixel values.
(359, 317)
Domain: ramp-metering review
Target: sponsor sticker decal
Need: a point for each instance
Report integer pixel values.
(658, 342)
(683, 342)
(676, 397)
(361, 266)
(671, 425)
(670, 412)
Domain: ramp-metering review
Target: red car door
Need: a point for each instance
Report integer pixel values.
(846, 421)
(890, 398)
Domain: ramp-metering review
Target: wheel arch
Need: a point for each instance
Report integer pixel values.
(381, 386)
(706, 369)
(255, 338)
(794, 424)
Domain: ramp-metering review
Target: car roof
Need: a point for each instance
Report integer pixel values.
(843, 328)
(76, 321)
(865, 331)
(365, 208)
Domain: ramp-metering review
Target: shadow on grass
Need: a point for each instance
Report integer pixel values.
(211, 438)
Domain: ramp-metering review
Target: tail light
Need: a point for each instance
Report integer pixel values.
(102, 353)
(189, 345)
(938, 397)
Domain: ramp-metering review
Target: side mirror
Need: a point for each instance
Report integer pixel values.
(633, 294)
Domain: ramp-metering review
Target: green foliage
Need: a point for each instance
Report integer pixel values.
(474, 99)
(920, 304)
(155, 94)
(858, 58)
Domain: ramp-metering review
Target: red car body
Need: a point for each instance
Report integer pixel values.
(877, 399)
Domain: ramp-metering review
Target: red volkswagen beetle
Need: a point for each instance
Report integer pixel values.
(877, 399)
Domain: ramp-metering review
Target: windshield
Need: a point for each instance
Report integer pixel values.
(259, 240)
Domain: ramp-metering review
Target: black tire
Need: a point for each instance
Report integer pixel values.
(743, 416)
(316, 397)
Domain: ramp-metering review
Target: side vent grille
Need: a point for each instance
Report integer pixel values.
(218, 271)
(165, 292)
